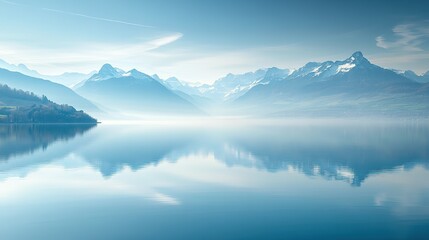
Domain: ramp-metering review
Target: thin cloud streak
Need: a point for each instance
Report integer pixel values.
(13, 3)
(79, 15)
(96, 18)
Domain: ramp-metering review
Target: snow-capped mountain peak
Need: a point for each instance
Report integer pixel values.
(329, 68)
(357, 58)
(107, 71)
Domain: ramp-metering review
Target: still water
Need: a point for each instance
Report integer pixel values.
(241, 181)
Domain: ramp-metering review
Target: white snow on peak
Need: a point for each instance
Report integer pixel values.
(398, 71)
(316, 71)
(107, 72)
(345, 67)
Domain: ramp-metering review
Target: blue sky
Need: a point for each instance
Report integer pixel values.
(200, 41)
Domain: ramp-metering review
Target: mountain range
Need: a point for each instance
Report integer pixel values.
(228, 88)
(68, 79)
(352, 87)
(424, 78)
(349, 87)
(134, 92)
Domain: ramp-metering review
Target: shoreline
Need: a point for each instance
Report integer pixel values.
(32, 123)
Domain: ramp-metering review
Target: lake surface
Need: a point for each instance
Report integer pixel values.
(236, 181)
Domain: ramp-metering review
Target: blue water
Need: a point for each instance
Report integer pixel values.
(250, 181)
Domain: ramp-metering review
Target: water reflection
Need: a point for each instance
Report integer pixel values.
(19, 139)
(134, 147)
(346, 152)
(343, 152)
(220, 182)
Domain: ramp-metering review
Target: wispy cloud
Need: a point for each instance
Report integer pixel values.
(96, 18)
(166, 40)
(407, 47)
(83, 56)
(408, 37)
(13, 3)
(78, 15)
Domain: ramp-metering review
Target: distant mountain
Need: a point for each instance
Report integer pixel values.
(17, 106)
(133, 91)
(106, 72)
(68, 79)
(21, 68)
(56, 92)
(188, 92)
(413, 76)
(350, 87)
(175, 84)
(229, 87)
(232, 86)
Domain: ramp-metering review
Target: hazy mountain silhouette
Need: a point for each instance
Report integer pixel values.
(424, 78)
(133, 91)
(54, 91)
(68, 78)
(229, 87)
(352, 87)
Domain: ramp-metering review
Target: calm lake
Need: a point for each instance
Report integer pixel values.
(224, 181)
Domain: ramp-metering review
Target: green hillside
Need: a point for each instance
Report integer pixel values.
(17, 106)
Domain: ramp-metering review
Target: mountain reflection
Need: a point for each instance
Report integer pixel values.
(134, 147)
(24, 139)
(342, 152)
(349, 153)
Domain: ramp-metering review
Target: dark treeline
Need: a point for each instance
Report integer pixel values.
(18, 106)
(6, 91)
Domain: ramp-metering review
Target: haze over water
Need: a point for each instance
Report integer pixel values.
(251, 180)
